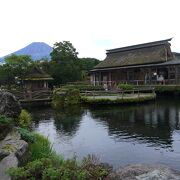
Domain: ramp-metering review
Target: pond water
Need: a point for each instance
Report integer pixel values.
(119, 135)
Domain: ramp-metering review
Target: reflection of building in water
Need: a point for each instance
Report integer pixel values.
(150, 123)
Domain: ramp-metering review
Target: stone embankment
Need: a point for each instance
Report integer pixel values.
(144, 172)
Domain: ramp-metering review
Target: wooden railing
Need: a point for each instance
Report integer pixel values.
(118, 92)
(23, 95)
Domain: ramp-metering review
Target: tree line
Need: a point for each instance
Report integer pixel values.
(64, 66)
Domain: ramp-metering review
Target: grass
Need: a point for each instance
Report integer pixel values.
(42, 148)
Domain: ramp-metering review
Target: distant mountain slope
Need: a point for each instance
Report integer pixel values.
(37, 50)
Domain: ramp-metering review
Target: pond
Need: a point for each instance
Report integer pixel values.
(118, 135)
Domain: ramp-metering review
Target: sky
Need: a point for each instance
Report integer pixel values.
(92, 26)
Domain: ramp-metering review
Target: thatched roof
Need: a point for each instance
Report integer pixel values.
(37, 74)
(148, 53)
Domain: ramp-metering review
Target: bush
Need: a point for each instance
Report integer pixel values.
(58, 98)
(73, 97)
(46, 169)
(5, 120)
(26, 135)
(63, 97)
(24, 119)
(126, 86)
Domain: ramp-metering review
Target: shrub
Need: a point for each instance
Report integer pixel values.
(26, 135)
(5, 120)
(58, 100)
(24, 119)
(126, 86)
(63, 97)
(73, 97)
(46, 169)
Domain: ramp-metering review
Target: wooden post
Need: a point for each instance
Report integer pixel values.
(150, 76)
(109, 78)
(127, 76)
(168, 74)
(176, 75)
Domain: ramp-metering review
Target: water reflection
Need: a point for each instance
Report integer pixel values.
(67, 120)
(120, 135)
(145, 124)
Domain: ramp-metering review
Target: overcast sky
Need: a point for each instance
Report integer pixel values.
(92, 26)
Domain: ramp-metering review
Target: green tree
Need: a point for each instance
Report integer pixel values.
(88, 63)
(19, 64)
(15, 66)
(64, 65)
(63, 52)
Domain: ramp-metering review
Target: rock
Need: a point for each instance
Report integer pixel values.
(5, 164)
(144, 172)
(9, 105)
(14, 144)
(3, 154)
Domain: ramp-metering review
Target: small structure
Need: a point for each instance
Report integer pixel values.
(36, 84)
(149, 63)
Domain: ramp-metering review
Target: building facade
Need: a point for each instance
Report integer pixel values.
(142, 64)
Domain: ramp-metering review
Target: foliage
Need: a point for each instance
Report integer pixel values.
(46, 169)
(126, 86)
(63, 51)
(15, 66)
(58, 98)
(63, 97)
(73, 97)
(5, 120)
(47, 165)
(24, 119)
(26, 135)
(88, 63)
(64, 66)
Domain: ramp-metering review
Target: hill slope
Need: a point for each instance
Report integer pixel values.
(37, 50)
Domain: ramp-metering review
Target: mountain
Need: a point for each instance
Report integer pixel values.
(37, 50)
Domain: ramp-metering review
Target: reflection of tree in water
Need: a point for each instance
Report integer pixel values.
(68, 119)
(150, 123)
(40, 114)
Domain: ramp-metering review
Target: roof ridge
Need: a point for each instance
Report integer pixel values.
(137, 46)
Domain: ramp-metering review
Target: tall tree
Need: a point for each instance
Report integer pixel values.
(19, 64)
(64, 66)
(63, 51)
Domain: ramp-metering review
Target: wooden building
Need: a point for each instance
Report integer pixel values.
(36, 79)
(149, 63)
